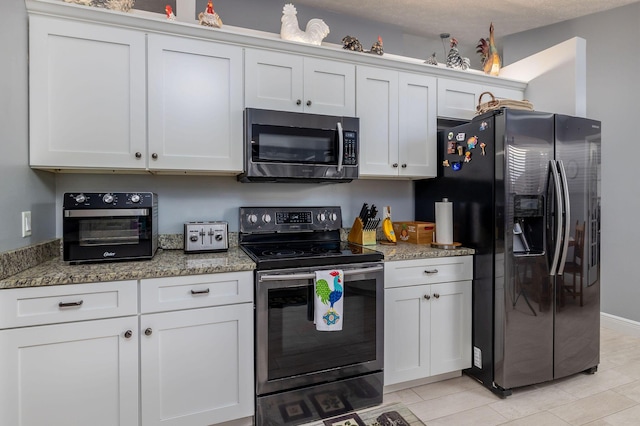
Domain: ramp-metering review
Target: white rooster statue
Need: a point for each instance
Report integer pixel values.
(314, 33)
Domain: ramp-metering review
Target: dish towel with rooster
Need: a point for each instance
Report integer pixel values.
(329, 297)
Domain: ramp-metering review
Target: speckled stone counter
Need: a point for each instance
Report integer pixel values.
(406, 251)
(166, 263)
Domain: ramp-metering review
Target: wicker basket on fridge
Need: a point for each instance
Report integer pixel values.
(501, 103)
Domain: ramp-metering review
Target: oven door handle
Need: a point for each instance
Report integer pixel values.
(311, 276)
(106, 212)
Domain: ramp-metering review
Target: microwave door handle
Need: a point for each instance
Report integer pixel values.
(558, 193)
(340, 146)
(567, 217)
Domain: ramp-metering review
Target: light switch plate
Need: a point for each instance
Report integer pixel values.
(26, 224)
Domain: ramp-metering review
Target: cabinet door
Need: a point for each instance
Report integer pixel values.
(457, 99)
(377, 107)
(195, 105)
(450, 326)
(329, 87)
(86, 95)
(197, 366)
(406, 334)
(418, 126)
(74, 374)
(273, 80)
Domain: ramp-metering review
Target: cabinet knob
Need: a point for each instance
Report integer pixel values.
(436, 295)
(395, 165)
(138, 155)
(148, 331)
(431, 271)
(154, 156)
(426, 296)
(298, 102)
(404, 166)
(308, 103)
(128, 334)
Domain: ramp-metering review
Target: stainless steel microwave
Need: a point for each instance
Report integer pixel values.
(282, 146)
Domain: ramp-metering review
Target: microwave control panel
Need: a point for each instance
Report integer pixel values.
(350, 154)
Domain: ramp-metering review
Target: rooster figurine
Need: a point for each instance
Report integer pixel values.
(315, 31)
(489, 53)
(209, 17)
(454, 60)
(169, 11)
(377, 47)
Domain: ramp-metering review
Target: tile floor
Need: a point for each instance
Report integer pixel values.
(609, 397)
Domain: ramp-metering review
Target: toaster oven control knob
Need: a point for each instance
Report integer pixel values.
(266, 218)
(135, 198)
(193, 238)
(107, 198)
(81, 198)
(252, 218)
(218, 237)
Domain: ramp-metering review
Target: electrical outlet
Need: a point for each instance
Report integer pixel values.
(26, 224)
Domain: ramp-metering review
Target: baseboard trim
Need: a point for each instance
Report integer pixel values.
(620, 324)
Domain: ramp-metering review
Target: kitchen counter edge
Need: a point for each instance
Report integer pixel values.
(173, 263)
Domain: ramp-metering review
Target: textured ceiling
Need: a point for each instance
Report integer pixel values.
(467, 19)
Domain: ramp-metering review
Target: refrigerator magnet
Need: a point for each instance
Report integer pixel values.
(450, 135)
(482, 147)
(451, 147)
(471, 142)
(456, 166)
(460, 137)
(483, 126)
(467, 156)
(445, 163)
(460, 150)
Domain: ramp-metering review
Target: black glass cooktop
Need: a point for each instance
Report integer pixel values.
(299, 254)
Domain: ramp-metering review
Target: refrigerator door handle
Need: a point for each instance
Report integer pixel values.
(567, 218)
(558, 193)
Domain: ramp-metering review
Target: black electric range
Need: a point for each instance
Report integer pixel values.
(291, 237)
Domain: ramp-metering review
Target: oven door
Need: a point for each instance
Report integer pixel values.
(291, 353)
(107, 234)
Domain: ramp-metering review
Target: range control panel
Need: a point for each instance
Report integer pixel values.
(289, 219)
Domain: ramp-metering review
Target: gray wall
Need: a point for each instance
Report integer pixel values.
(613, 91)
(21, 189)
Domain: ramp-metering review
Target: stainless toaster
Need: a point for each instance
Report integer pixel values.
(206, 236)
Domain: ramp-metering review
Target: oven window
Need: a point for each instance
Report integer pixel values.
(281, 144)
(110, 231)
(296, 347)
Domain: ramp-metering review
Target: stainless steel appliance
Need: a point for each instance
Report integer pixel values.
(295, 147)
(303, 374)
(528, 201)
(206, 236)
(109, 226)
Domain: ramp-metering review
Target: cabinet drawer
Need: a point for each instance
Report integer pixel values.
(195, 291)
(428, 271)
(74, 302)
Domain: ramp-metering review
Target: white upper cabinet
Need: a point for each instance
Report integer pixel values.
(458, 99)
(86, 95)
(286, 82)
(195, 105)
(397, 114)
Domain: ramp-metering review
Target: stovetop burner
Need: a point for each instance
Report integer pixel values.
(298, 237)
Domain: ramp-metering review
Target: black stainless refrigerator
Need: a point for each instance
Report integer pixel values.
(525, 188)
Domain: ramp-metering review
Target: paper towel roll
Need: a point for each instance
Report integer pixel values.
(444, 222)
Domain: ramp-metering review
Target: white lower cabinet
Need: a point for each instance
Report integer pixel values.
(196, 364)
(73, 373)
(427, 318)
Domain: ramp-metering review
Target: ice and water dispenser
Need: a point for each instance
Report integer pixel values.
(528, 226)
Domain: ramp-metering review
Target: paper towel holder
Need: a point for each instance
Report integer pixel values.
(445, 246)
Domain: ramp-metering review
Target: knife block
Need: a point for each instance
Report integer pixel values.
(359, 235)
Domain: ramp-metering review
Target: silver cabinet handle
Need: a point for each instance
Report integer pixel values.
(431, 271)
(205, 291)
(70, 304)
(148, 331)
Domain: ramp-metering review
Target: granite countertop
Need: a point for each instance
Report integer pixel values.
(171, 263)
(166, 263)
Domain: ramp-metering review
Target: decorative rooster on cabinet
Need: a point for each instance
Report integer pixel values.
(454, 60)
(314, 33)
(489, 53)
(330, 297)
